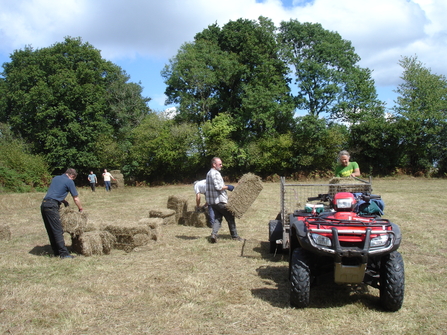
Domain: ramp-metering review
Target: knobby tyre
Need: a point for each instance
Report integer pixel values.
(300, 279)
(392, 282)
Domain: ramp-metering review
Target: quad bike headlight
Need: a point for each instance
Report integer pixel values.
(321, 240)
(344, 201)
(379, 241)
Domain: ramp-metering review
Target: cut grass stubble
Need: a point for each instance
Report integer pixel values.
(182, 284)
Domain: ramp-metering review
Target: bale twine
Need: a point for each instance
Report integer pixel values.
(179, 204)
(155, 226)
(72, 221)
(5, 232)
(93, 243)
(168, 215)
(243, 196)
(195, 219)
(128, 236)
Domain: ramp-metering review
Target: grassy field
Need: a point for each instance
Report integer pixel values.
(182, 284)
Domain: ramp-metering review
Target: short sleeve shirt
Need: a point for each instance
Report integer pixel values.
(59, 188)
(346, 171)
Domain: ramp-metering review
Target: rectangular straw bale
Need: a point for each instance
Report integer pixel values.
(5, 232)
(179, 204)
(93, 243)
(195, 219)
(128, 236)
(73, 222)
(155, 225)
(168, 215)
(244, 194)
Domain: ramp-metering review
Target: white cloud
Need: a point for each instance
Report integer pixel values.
(382, 31)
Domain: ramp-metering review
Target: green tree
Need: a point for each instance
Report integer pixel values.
(327, 76)
(64, 98)
(421, 112)
(20, 171)
(164, 151)
(234, 70)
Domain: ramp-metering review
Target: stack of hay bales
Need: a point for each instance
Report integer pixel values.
(168, 215)
(179, 204)
(5, 232)
(119, 182)
(248, 188)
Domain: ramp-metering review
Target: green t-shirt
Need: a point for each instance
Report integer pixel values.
(346, 171)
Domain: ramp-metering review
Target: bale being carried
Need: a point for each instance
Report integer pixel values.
(73, 222)
(243, 196)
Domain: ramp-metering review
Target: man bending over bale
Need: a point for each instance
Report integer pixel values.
(216, 197)
(200, 188)
(57, 192)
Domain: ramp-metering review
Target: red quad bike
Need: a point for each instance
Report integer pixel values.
(339, 232)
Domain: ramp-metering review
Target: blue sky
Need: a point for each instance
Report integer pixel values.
(142, 35)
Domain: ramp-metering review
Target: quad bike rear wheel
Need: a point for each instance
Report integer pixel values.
(392, 281)
(300, 278)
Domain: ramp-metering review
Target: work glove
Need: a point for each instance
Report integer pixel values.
(230, 187)
(65, 202)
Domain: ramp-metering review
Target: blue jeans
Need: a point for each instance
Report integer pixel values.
(53, 225)
(108, 186)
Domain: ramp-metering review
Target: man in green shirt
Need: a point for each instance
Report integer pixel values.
(345, 168)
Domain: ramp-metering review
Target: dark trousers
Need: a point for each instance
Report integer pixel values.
(93, 186)
(53, 225)
(220, 212)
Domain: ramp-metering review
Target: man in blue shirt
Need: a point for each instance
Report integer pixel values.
(92, 180)
(56, 194)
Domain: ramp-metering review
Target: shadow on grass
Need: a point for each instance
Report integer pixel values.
(42, 250)
(324, 294)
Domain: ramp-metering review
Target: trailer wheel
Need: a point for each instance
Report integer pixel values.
(275, 233)
(392, 281)
(300, 278)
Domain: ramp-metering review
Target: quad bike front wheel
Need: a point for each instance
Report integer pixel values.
(299, 278)
(392, 281)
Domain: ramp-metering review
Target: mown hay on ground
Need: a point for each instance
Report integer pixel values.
(72, 221)
(168, 215)
(5, 232)
(129, 236)
(93, 243)
(179, 204)
(244, 194)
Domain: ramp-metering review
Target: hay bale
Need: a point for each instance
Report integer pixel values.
(195, 219)
(243, 196)
(72, 221)
(347, 184)
(128, 236)
(5, 232)
(168, 215)
(179, 204)
(93, 243)
(155, 226)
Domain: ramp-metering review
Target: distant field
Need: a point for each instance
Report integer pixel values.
(182, 284)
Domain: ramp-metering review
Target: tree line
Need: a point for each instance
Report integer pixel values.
(268, 100)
